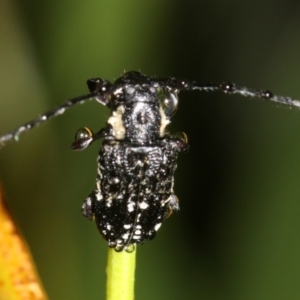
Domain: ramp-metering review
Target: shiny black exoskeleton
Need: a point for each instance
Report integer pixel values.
(137, 160)
(136, 164)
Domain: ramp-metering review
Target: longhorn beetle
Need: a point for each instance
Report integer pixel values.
(137, 160)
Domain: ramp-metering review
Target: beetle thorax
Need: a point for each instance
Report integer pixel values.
(139, 118)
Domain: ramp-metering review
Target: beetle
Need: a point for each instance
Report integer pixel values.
(138, 157)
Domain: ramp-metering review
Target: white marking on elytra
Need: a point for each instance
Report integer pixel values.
(165, 159)
(115, 180)
(108, 202)
(120, 197)
(152, 89)
(130, 185)
(98, 195)
(147, 191)
(143, 205)
(89, 201)
(157, 226)
(130, 206)
(99, 170)
(125, 236)
(130, 90)
(127, 226)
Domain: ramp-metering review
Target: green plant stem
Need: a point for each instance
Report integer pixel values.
(120, 275)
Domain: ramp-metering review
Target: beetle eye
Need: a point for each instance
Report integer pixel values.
(169, 103)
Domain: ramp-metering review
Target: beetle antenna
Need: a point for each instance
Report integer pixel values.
(228, 88)
(59, 110)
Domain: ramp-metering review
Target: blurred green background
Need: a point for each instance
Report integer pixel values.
(238, 233)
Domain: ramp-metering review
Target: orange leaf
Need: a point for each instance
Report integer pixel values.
(18, 276)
